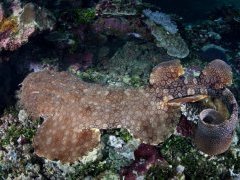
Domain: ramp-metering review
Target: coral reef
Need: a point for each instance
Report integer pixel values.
(112, 26)
(117, 8)
(120, 153)
(173, 43)
(133, 62)
(179, 151)
(79, 62)
(211, 52)
(24, 21)
(161, 19)
(18, 160)
(219, 30)
(185, 127)
(84, 16)
(128, 66)
(15, 142)
(16, 151)
(75, 107)
(108, 42)
(146, 156)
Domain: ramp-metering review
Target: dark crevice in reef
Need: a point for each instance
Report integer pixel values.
(14, 67)
(9, 83)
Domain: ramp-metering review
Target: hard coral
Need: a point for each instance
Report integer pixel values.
(8, 25)
(116, 8)
(172, 43)
(162, 19)
(74, 111)
(112, 26)
(24, 21)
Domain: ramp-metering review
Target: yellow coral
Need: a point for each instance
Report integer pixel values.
(8, 24)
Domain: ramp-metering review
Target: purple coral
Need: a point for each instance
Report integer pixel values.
(146, 156)
(185, 127)
(21, 24)
(112, 25)
(80, 61)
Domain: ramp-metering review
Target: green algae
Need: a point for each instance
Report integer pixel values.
(178, 150)
(14, 132)
(110, 160)
(50, 61)
(84, 16)
(84, 170)
(96, 75)
(11, 110)
(124, 135)
(92, 75)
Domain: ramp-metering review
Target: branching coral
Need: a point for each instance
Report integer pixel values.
(74, 111)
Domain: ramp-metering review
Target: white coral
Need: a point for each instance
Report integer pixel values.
(162, 19)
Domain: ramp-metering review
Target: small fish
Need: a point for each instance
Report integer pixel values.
(136, 35)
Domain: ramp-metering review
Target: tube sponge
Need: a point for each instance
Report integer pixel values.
(214, 133)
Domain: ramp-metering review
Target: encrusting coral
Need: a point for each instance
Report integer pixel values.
(161, 19)
(74, 110)
(174, 44)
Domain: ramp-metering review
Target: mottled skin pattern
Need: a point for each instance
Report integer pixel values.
(70, 106)
(74, 111)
